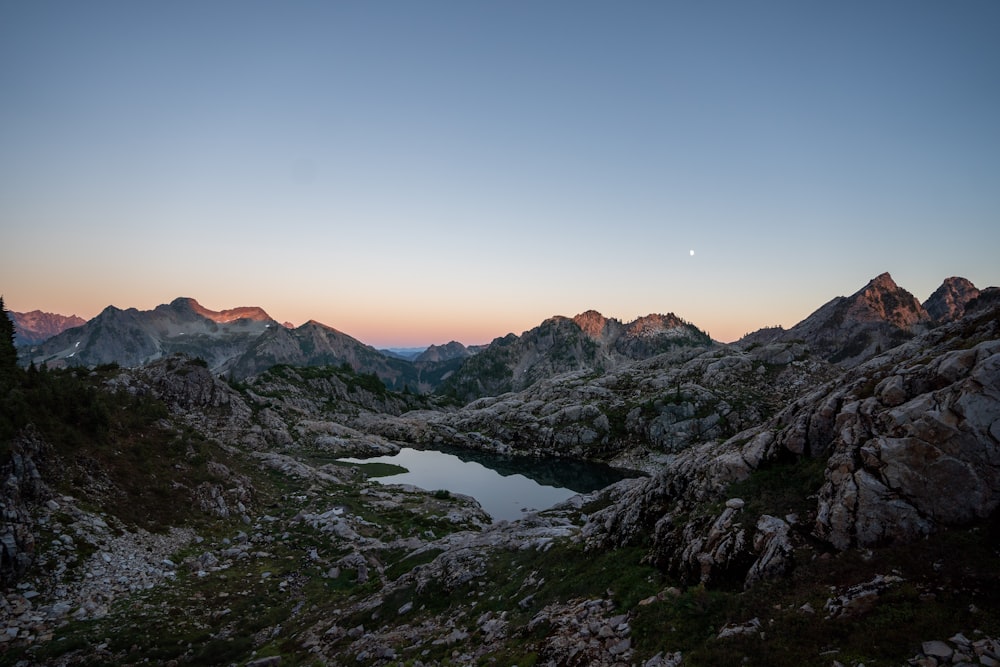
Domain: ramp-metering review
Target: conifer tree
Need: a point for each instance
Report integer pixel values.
(8, 353)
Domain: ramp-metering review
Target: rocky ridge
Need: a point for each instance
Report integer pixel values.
(589, 342)
(908, 444)
(879, 316)
(948, 302)
(653, 407)
(133, 338)
(36, 326)
(788, 498)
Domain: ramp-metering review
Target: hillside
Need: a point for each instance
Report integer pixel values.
(588, 341)
(132, 337)
(794, 509)
(881, 315)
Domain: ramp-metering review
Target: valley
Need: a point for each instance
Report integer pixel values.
(825, 495)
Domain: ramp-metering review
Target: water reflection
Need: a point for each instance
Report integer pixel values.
(505, 486)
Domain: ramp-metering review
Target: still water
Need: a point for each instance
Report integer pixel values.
(505, 486)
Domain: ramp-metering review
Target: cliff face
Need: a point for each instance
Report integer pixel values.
(948, 301)
(849, 330)
(22, 489)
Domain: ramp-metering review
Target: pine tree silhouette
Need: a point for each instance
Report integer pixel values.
(8, 353)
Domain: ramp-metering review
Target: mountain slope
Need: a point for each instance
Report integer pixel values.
(132, 337)
(588, 341)
(315, 344)
(452, 350)
(848, 330)
(34, 327)
(890, 451)
(241, 342)
(948, 302)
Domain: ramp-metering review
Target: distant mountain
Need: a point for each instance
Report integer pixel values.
(446, 352)
(34, 327)
(314, 344)
(561, 344)
(948, 302)
(246, 341)
(407, 353)
(132, 337)
(239, 342)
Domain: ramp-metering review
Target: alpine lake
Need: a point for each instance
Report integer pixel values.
(507, 487)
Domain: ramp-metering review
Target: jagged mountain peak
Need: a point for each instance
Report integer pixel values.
(598, 327)
(882, 281)
(852, 329)
(592, 323)
(653, 324)
(882, 300)
(450, 350)
(948, 302)
(560, 344)
(36, 326)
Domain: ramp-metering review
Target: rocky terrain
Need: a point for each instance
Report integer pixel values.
(588, 341)
(131, 337)
(948, 301)
(879, 316)
(797, 509)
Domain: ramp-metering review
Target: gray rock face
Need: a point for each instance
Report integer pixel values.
(559, 345)
(132, 337)
(663, 404)
(849, 330)
(948, 301)
(911, 441)
(22, 489)
(923, 451)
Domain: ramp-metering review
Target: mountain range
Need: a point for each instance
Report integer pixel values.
(807, 493)
(848, 330)
(34, 327)
(245, 341)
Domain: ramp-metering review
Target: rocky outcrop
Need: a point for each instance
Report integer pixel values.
(922, 451)
(948, 301)
(959, 650)
(23, 489)
(587, 342)
(659, 405)
(910, 441)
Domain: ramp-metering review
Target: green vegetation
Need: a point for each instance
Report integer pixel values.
(781, 487)
(8, 353)
(116, 448)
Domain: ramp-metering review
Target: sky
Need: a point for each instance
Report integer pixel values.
(419, 172)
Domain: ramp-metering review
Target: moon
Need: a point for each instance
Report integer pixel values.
(692, 253)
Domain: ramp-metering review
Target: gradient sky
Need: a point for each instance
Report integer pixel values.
(417, 172)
